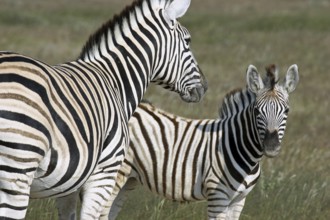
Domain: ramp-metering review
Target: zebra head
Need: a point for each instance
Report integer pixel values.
(177, 69)
(271, 107)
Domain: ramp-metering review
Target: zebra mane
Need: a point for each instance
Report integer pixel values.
(110, 25)
(271, 76)
(118, 19)
(235, 101)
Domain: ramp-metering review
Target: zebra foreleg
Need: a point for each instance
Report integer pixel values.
(235, 209)
(119, 196)
(95, 196)
(223, 211)
(96, 192)
(67, 206)
(111, 211)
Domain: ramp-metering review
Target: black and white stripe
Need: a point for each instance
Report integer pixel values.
(65, 127)
(215, 160)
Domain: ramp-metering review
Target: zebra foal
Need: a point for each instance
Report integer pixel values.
(215, 160)
(64, 128)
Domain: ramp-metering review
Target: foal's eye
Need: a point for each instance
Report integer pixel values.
(256, 111)
(286, 111)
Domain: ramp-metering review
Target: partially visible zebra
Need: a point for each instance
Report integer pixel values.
(215, 160)
(65, 127)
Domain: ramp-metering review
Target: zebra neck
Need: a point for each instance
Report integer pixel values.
(250, 136)
(240, 138)
(126, 48)
(239, 143)
(237, 109)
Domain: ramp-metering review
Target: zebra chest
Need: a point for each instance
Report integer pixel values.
(243, 189)
(241, 194)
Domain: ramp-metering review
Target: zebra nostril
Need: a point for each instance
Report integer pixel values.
(271, 140)
(271, 135)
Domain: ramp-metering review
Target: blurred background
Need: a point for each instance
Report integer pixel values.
(227, 36)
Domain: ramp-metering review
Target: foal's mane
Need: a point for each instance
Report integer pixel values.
(235, 98)
(240, 98)
(270, 79)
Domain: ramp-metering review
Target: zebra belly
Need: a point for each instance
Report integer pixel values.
(177, 192)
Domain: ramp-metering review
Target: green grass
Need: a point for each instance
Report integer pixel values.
(227, 36)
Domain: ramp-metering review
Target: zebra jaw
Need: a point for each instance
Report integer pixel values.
(194, 95)
(271, 144)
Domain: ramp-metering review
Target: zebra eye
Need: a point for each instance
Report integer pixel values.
(256, 111)
(188, 40)
(286, 111)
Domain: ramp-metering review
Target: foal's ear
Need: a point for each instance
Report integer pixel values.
(291, 79)
(253, 79)
(177, 9)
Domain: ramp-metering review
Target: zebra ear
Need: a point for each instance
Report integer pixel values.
(253, 79)
(292, 78)
(177, 9)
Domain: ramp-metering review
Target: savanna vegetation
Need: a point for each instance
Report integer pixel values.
(227, 36)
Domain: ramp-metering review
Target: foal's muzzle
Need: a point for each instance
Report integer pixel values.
(271, 143)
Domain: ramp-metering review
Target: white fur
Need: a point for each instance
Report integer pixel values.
(177, 9)
(291, 78)
(253, 79)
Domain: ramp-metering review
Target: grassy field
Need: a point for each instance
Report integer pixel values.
(227, 36)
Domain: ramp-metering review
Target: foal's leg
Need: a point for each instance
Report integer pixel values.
(235, 209)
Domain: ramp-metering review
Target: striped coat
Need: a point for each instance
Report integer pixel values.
(215, 160)
(65, 127)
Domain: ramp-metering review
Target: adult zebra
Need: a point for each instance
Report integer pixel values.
(218, 160)
(64, 127)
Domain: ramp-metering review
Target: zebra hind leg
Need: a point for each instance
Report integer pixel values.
(15, 183)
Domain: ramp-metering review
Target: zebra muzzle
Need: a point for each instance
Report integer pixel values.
(194, 95)
(271, 143)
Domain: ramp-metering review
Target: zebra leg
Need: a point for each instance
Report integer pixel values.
(17, 170)
(120, 181)
(217, 203)
(15, 182)
(235, 209)
(67, 206)
(95, 195)
(119, 196)
(225, 212)
(96, 192)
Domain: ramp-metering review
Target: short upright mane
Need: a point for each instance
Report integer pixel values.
(108, 26)
(271, 76)
(118, 20)
(236, 99)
